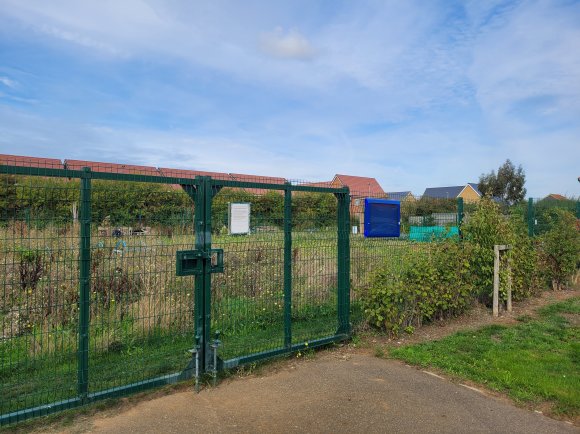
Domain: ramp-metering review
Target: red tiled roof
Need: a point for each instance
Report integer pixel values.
(327, 184)
(190, 174)
(256, 178)
(360, 185)
(557, 196)
(96, 166)
(21, 161)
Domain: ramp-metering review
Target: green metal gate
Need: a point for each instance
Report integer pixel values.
(104, 295)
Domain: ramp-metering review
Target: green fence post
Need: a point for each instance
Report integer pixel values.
(343, 263)
(459, 214)
(531, 217)
(199, 303)
(288, 266)
(194, 192)
(84, 283)
(578, 209)
(206, 217)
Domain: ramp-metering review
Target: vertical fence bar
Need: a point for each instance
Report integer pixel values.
(531, 217)
(578, 209)
(343, 263)
(202, 339)
(206, 187)
(84, 283)
(459, 214)
(194, 193)
(287, 266)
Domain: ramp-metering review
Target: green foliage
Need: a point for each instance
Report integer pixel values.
(313, 210)
(545, 212)
(507, 184)
(38, 201)
(432, 282)
(7, 194)
(523, 259)
(560, 248)
(131, 203)
(486, 227)
(429, 205)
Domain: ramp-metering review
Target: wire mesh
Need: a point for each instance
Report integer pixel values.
(39, 299)
(283, 284)
(141, 312)
(541, 213)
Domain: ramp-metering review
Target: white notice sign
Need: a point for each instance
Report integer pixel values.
(239, 218)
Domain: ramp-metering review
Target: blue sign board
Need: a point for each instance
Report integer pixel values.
(382, 218)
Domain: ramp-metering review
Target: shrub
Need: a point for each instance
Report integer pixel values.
(30, 268)
(523, 261)
(560, 249)
(433, 282)
(486, 227)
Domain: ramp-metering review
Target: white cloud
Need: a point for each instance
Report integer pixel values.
(529, 56)
(80, 39)
(8, 82)
(287, 45)
(457, 90)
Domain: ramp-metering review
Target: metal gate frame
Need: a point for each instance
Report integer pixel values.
(203, 194)
(201, 190)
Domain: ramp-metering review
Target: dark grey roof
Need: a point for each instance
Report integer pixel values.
(444, 192)
(397, 194)
(448, 192)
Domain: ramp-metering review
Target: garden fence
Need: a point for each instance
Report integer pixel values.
(119, 278)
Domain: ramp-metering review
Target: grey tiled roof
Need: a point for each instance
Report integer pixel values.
(444, 192)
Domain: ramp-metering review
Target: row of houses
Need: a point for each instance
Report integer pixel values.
(360, 187)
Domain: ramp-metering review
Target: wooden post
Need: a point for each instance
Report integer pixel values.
(509, 287)
(496, 260)
(495, 281)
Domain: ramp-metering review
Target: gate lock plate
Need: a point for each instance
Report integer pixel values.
(190, 262)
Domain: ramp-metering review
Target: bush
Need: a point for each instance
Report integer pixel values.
(560, 249)
(486, 227)
(430, 283)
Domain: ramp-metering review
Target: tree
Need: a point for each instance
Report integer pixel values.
(507, 184)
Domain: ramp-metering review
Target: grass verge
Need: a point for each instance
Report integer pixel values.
(536, 361)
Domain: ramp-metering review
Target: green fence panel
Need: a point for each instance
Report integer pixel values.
(100, 298)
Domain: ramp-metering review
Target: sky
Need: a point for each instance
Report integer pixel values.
(414, 93)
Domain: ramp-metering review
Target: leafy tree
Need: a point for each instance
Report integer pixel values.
(507, 184)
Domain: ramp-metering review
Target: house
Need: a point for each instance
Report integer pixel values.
(469, 192)
(554, 196)
(400, 195)
(360, 187)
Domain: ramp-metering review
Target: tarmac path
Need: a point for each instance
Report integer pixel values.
(333, 393)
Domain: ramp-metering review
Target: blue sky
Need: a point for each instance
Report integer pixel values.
(415, 93)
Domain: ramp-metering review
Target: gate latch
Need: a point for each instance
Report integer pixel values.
(190, 262)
